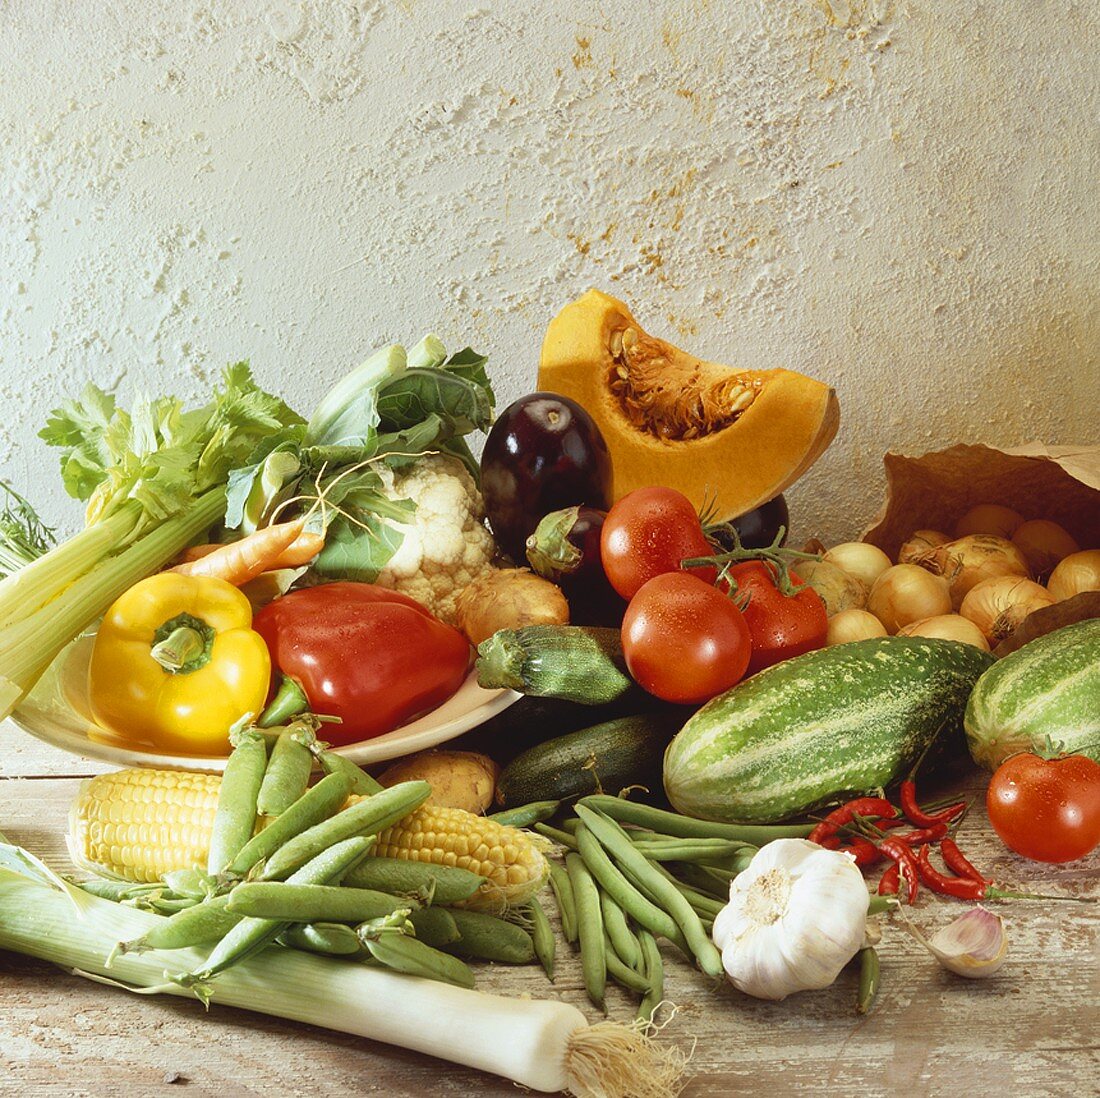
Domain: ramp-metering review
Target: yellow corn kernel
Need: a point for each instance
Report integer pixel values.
(141, 824)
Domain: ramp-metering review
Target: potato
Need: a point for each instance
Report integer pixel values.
(459, 779)
(508, 598)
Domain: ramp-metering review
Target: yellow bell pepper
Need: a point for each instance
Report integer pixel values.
(176, 663)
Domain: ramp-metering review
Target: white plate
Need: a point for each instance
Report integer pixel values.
(57, 712)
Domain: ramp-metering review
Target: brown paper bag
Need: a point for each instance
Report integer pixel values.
(933, 491)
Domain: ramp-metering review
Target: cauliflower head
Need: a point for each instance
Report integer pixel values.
(447, 545)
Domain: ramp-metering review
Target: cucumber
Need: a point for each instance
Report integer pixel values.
(1048, 689)
(576, 663)
(820, 727)
(605, 758)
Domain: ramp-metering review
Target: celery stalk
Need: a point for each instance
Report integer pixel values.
(28, 646)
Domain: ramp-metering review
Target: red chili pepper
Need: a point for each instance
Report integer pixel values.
(877, 807)
(863, 850)
(907, 864)
(957, 862)
(916, 815)
(889, 882)
(924, 835)
(964, 888)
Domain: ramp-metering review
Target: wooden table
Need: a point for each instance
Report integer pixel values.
(1031, 1030)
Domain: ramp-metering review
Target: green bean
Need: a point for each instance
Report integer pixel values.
(249, 936)
(567, 907)
(671, 823)
(405, 954)
(368, 816)
(431, 884)
(235, 816)
(589, 928)
(314, 806)
(640, 908)
(655, 975)
(311, 903)
(191, 882)
(618, 930)
(491, 939)
(570, 825)
(198, 925)
(562, 838)
(698, 878)
(705, 906)
(434, 926)
(287, 775)
(622, 973)
(162, 904)
(526, 815)
(690, 850)
(542, 935)
(868, 980)
(362, 784)
(333, 939)
(615, 842)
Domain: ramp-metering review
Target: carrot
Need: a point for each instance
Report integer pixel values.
(300, 551)
(240, 561)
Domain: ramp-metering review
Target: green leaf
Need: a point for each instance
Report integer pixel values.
(360, 542)
(252, 490)
(469, 364)
(463, 405)
(348, 415)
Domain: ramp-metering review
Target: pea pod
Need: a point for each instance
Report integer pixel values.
(390, 946)
(434, 926)
(429, 883)
(205, 922)
(287, 773)
(526, 815)
(310, 903)
(589, 929)
(368, 816)
(361, 783)
(619, 846)
(191, 882)
(333, 939)
(235, 816)
(491, 939)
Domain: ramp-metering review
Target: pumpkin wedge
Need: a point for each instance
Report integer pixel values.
(728, 437)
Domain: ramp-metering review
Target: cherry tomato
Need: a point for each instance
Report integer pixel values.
(1047, 810)
(684, 641)
(647, 533)
(370, 656)
(781, 625)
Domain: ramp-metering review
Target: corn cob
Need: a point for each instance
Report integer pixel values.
(141, 824)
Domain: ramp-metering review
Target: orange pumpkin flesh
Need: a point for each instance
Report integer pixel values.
(731, 438)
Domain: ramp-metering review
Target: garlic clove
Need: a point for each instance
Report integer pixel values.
(973, 945)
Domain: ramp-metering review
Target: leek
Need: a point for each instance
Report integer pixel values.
(542, 1044)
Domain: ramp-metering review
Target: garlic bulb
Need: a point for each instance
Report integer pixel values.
(796, 916)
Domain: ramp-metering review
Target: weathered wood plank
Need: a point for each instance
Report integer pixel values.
(1031, 1029)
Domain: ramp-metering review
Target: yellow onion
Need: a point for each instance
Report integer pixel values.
(907, 593)
(838, 590)
(853, 625)
(952, 627)
(989, 518)
(860, 559)
(967, 561)
(997, 606)
(1076, 573)
(918, 543)
(1043, 544)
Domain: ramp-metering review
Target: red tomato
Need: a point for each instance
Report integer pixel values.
(1047, 810)
(373, 657)
(684, 641)
(647, 533)
(781, 625)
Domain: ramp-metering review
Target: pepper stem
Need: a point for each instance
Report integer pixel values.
(181, 647)
(1002, 894)
(289, 701)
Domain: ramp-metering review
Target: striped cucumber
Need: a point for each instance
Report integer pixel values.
(1048, 689)
(838, 721)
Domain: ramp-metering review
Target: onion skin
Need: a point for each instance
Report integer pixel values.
(860, 559)
(952, 627)
(967, 561)
(838, 589)
(853, 625)
(908, 593)
(998, 606)
(1044, 544)
(918, 543)
(1076, 573)
(989, 518)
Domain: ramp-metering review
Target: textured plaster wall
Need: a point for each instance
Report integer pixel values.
(899, 197)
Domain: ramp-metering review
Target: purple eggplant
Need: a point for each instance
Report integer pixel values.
(544, 453)
(757, 528)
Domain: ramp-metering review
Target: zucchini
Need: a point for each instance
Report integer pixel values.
(819, 727)
(1047, 690)
(577, 663)
(607, 757)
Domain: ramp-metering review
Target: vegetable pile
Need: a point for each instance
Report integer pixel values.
(718, 735)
